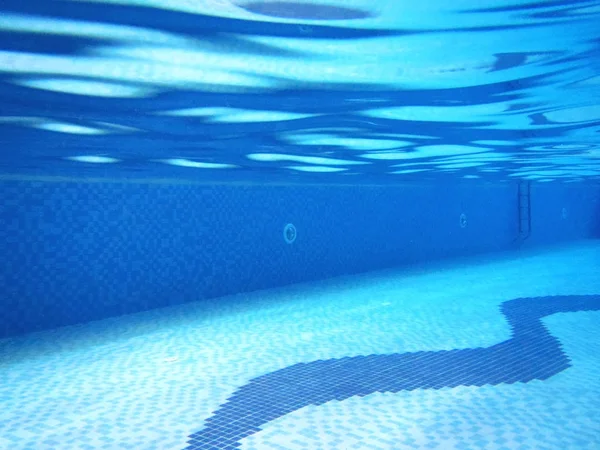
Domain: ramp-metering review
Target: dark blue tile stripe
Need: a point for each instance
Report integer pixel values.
(530, 354)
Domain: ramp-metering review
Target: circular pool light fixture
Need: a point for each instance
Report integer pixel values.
(289, 233)
(303, 10)
(463, 220)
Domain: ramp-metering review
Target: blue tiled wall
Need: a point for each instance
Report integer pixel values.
(564, 212)
(74, 252)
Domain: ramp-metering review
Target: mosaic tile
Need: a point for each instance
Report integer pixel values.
(76, 252)
(530, 354)
(115, 381)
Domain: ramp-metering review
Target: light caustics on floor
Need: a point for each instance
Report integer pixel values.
(154, 379)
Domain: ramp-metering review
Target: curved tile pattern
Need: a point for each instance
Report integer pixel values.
(532, 353)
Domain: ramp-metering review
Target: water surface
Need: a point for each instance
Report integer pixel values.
(331, 91)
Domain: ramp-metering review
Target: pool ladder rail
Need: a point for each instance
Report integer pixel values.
(524, 205)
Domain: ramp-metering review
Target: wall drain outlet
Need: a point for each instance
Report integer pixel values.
(564, 214)
(463, 220)
(289, 233)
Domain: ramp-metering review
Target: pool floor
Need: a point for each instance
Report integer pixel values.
(495, 352)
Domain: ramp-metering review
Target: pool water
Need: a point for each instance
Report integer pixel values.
(153, 150)
(162, 379)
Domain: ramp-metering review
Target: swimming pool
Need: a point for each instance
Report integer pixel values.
(299, 224)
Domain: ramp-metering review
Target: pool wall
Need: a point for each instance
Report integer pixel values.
(76, 252)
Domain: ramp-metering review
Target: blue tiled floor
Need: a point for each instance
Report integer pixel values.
(459, 355)
(532, 353)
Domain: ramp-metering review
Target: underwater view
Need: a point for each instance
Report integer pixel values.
(299, 225)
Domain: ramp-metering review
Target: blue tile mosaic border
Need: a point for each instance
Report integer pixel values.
(532, 353)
